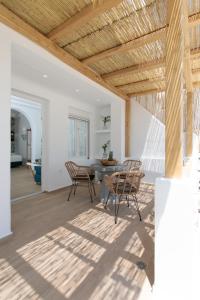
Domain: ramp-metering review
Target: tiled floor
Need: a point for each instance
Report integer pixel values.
(73, 250)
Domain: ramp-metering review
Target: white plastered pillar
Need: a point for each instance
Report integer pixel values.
(118, 129)
(5, 94)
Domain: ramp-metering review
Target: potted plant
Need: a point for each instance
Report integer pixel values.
(110, 161)
(104, 147)
(110, 156)
(106, 119)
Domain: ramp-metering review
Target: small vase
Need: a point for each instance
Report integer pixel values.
(105, 126)
(105, 155)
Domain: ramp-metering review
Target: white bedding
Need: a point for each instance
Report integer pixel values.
(15, 157)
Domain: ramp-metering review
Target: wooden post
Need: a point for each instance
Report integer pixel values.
(174, 88)
(127, 128)
(189, 125)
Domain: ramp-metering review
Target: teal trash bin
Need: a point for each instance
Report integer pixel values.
(37, 174)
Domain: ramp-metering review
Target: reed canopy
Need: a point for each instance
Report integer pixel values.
(123, 43)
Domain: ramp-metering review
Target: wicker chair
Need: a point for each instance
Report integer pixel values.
(131, 164)
(123, 186)
(80, 174)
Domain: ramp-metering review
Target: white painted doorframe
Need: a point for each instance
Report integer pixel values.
(44, 104)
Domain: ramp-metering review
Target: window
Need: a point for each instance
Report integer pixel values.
(78, 138)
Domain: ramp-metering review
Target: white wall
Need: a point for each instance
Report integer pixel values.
(5, 89)
(58, 107)
(55, 110)
(175, 216)
(115, 129)
(102, 137)
(147, 139)
(55, 124)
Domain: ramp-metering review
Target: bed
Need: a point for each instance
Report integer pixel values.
(15, 160)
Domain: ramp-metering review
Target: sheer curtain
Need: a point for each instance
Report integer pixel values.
(78, 140)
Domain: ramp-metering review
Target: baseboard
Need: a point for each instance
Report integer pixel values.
(25, 197)
(4, 238)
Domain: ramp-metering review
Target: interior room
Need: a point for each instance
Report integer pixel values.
(100, 142)
(26, 148)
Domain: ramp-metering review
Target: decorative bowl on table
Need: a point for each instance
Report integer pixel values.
(106, 162)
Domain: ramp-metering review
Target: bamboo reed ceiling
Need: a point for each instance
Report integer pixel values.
(112, 38)
(117, 26)
(194, 6)
(129, 78)
(45, 15)
(143, 54)
(196, 65)
(195, 37)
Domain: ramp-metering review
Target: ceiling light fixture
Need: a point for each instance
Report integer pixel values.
(77, 90)
(45, 76)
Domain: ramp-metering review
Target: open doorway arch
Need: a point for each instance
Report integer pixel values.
(27, 146)
(36, 133)
(21, 135)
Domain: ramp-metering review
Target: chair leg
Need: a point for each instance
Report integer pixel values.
(93, 188)
(127, 199)
(105, 204)
(116, 210)
(90, 191)
(137, 207)
(71, 188)
(75, 187)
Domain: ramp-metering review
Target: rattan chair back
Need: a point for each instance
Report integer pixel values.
(121, 183)
(131, 164)
(72, 169)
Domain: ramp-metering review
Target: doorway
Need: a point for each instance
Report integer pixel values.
(26, 148)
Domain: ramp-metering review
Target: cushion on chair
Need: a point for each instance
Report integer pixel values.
(83, 177)
(126, 189)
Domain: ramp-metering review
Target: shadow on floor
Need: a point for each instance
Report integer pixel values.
(73, 250)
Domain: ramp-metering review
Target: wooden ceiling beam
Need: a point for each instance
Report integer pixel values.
(195, 53)
(138, 42)
(194, 19)
(84, 16)
(196, 75)
(152, 65)
(196, 71)
(10, 19)
(187, 60)
(157, 81)
(134, 44)
(196, 84)
(145, 92)
(154, 83)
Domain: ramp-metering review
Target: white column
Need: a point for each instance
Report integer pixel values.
(57, 136)
(127, 127)
(174, 242)
(5, 93)
(118, 129)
